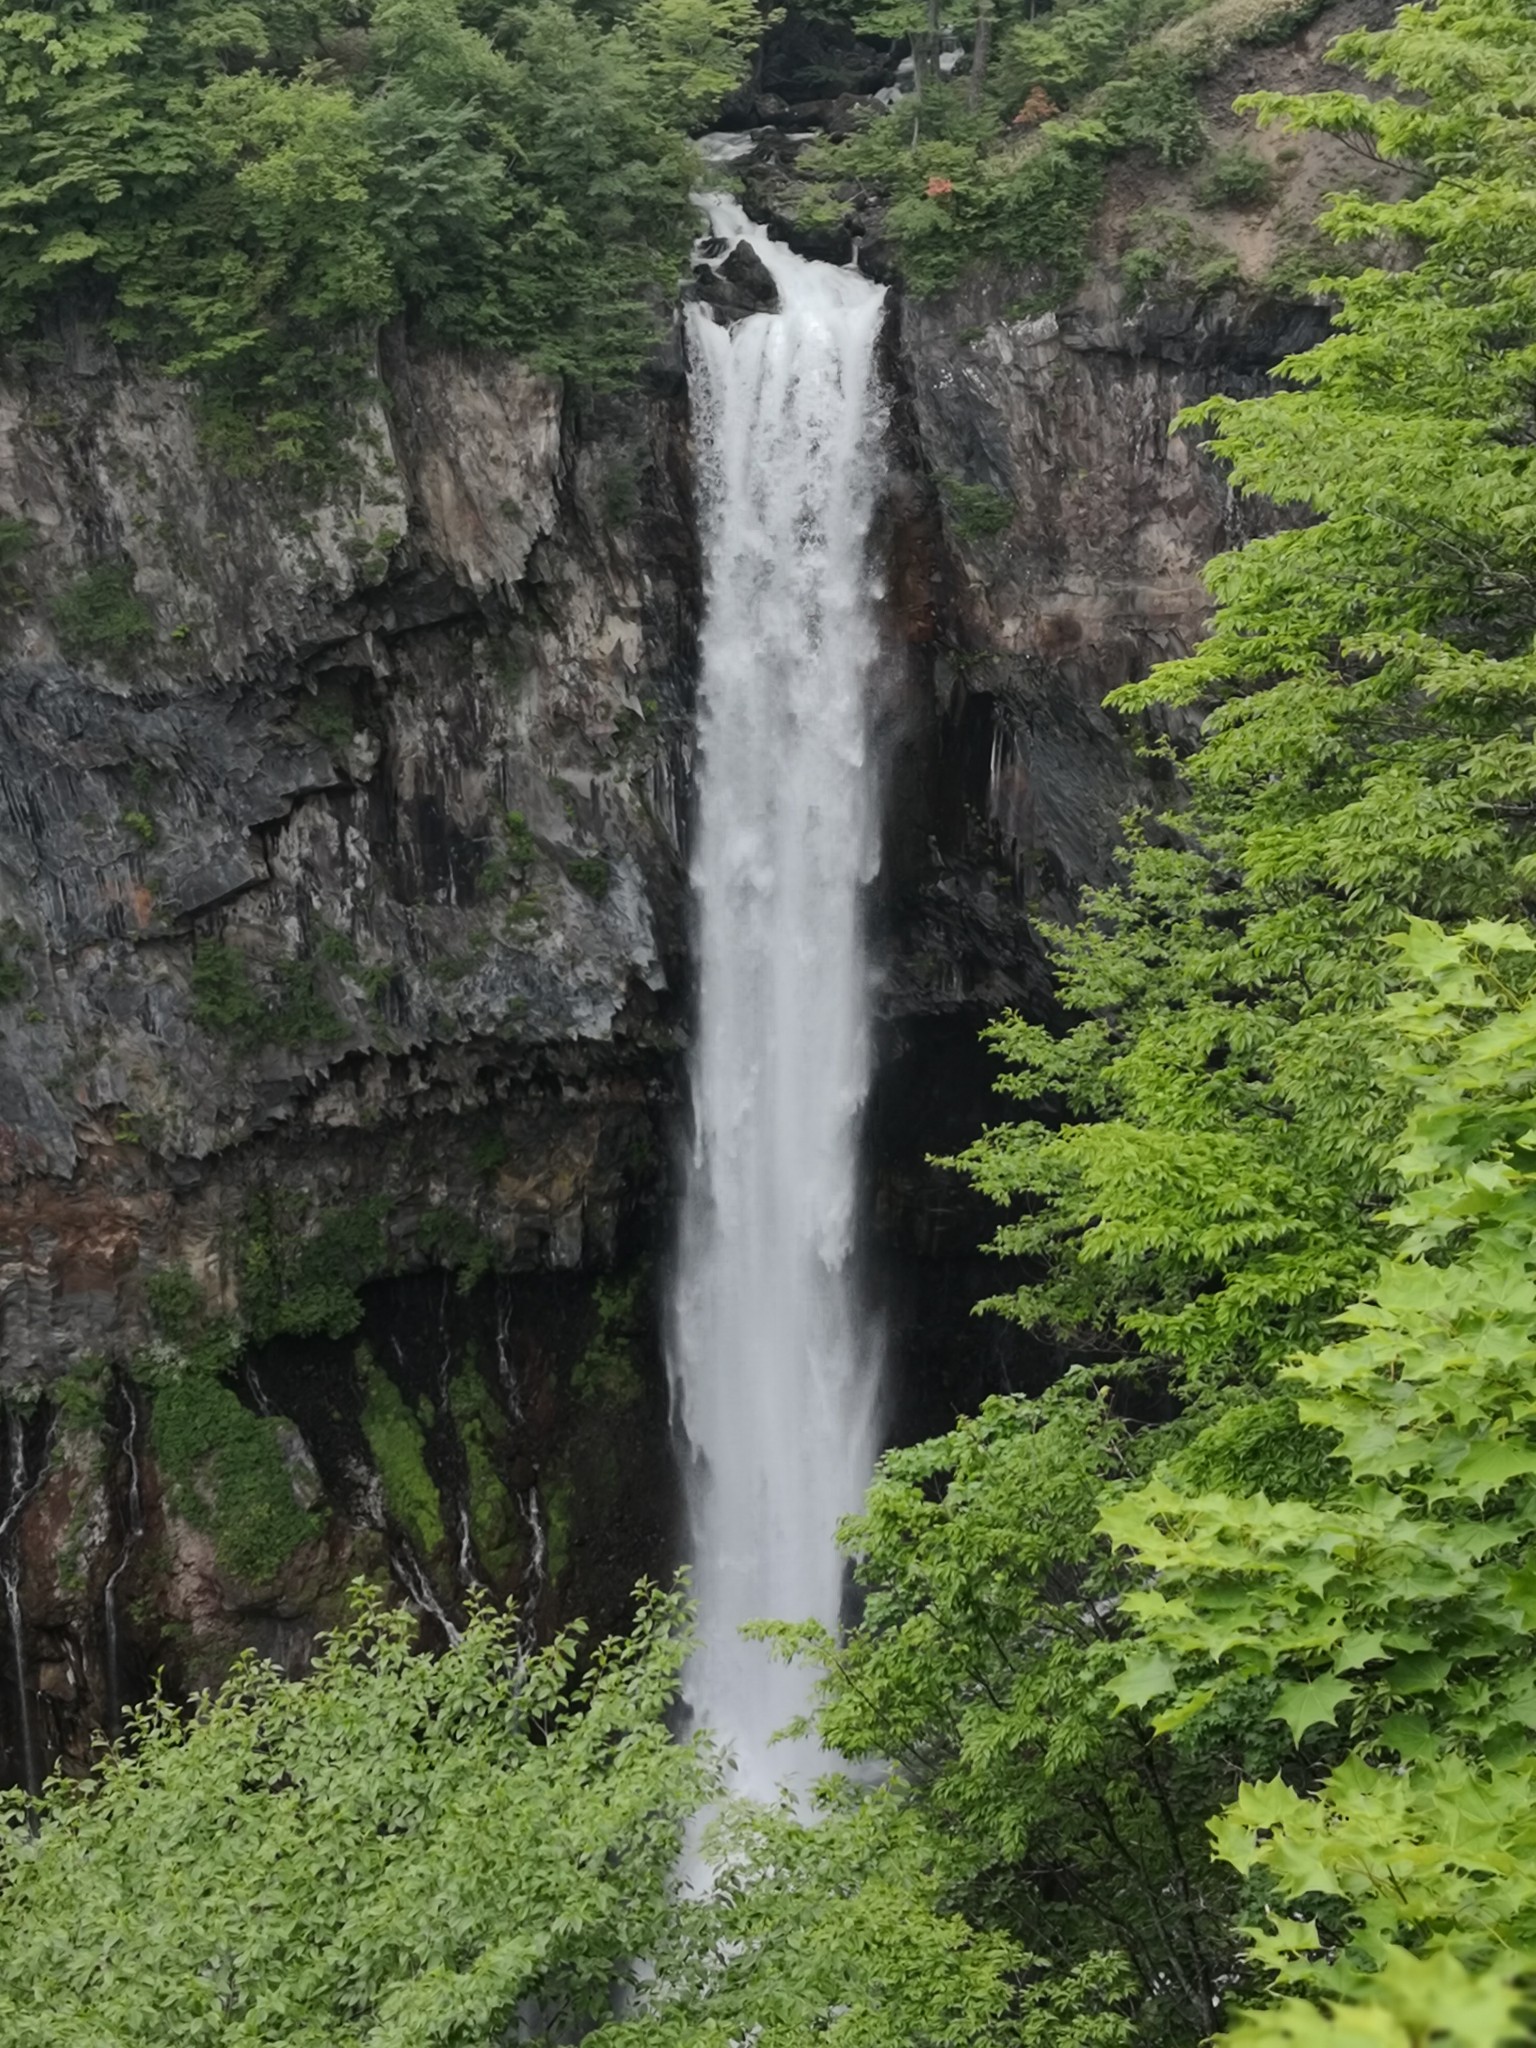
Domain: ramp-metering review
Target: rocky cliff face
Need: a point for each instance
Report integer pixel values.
(343, 960)
(1052, 550)
(340, 895)
(355, 790)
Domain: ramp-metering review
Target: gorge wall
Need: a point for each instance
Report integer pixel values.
(344, 968)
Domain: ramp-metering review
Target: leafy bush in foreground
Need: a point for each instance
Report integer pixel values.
(397, 1849)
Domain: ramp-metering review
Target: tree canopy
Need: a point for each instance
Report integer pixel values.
(1299, 1099)
(397, 1849)
(1212, 1192)
(245, 192)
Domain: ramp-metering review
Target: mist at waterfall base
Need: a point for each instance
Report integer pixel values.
(774, 1364)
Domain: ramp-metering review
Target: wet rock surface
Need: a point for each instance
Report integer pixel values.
(345, 882)
(739, 284)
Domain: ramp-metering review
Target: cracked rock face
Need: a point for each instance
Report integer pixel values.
(339, 878)
(390, 798)
(1079, 525)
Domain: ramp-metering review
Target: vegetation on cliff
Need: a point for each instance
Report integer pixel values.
(1298, 1101)
(246, 193)
(1007, 165)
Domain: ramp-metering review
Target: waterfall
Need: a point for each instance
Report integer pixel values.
(19, 1489)
(132, 1532)
(412, 1577)
(528, 1503)
(773, 1365)
(456, 1482)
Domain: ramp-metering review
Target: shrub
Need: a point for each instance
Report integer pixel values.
(1064, 54)
(17, 538)
(200, 1341)
(396, 1439)
(522, 847)
(1175, 259)
(223, 1466)
(226, 1474)
(298, 1283)
(1236, 177)
(449, 1239)
(301, 1015)
(100, 615)
(329, 718)
(1151, 108)
(590, 873)
(516, 854)
(80, 1393)
(488, 1154)
(976, 511)
(606, 1372)
(1302, 259)
(226, 1000)
(1206, 38)
(1075, 88)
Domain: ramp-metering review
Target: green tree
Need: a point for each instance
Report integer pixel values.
(1338, 1551)
(830, 1932)
(1399, 1607)
(840, 1932)
(980, 1674)
(478, 1847)
(249, 191)
(1204, 1191)
(396, 1849)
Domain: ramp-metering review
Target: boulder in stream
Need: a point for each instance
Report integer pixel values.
(742, 284)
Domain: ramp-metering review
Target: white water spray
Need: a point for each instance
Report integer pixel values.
(411, 1576)
(18, 1491)
(773, 1369)
(132, 1532)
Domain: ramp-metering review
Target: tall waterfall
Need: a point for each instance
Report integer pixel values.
(773, 1368)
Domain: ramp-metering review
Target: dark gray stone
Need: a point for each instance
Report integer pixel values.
(740, 285)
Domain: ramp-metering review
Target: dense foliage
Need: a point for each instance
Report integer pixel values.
(1400, 1605)
(983, 1670)
(1008, 164)
(248, 191)
(1369, 759)
(471, 1849)
(1303, 1080)
(399, 1849)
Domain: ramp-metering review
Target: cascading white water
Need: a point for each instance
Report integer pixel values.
(132, 1532)
(18, 1490)
(773, 1366)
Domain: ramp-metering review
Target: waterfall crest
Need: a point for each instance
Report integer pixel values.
(774, 1368)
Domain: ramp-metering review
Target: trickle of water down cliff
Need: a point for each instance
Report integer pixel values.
(773, 1357)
